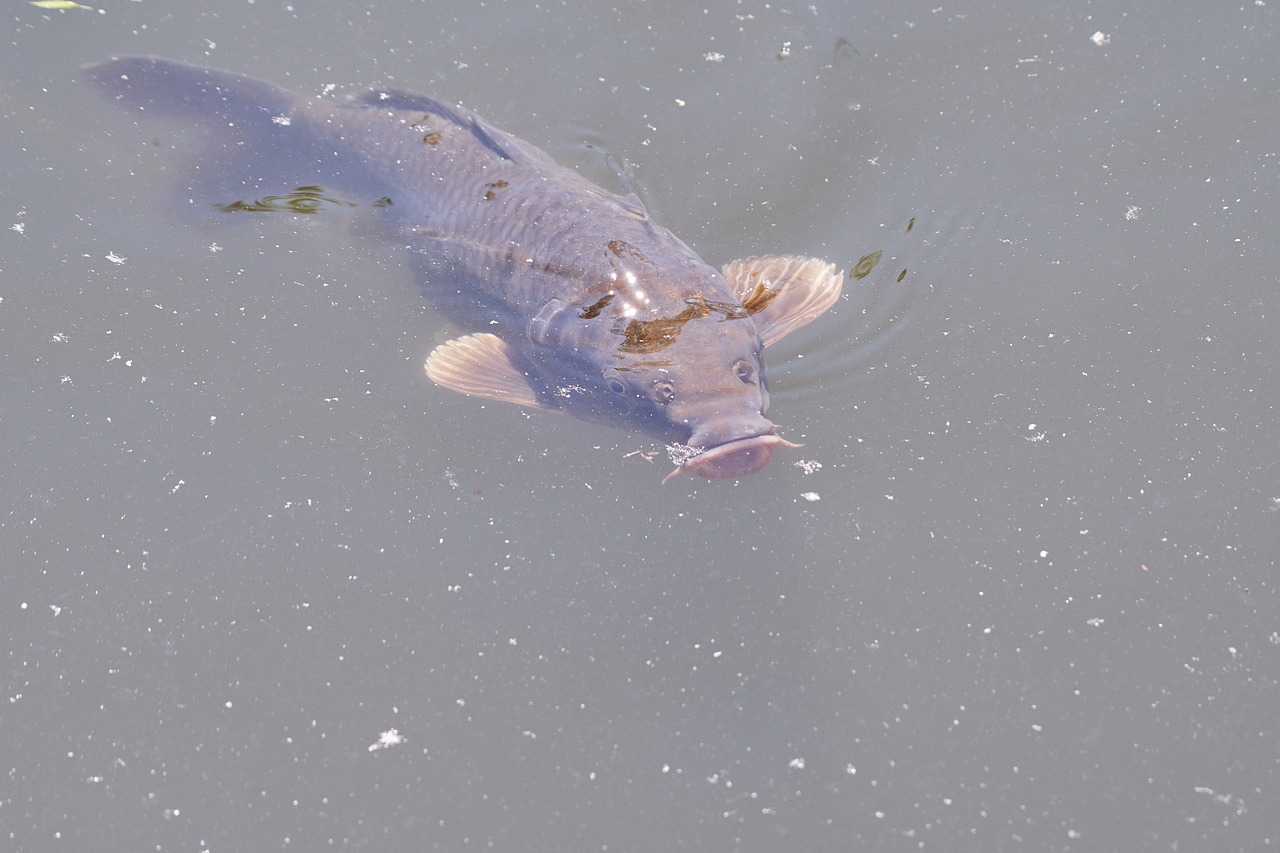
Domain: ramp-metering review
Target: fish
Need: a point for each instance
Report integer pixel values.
(578, 302)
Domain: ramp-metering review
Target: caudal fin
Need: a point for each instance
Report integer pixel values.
(163, 87)
(257, 148)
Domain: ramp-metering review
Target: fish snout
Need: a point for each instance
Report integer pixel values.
(731, 450)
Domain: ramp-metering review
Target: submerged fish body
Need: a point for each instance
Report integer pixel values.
(586, 305)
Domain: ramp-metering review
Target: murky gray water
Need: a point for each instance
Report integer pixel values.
(1032, 607)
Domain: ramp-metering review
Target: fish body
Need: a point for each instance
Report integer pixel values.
(586, 305)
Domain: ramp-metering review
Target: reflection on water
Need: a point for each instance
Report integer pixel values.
(303, 200)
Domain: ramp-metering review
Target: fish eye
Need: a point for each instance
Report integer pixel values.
(664, 391)
(616, 386)
(743, 370)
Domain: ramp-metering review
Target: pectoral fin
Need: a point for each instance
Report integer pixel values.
(482, 365)
(783, 293)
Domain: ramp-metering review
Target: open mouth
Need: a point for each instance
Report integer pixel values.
(733, 458)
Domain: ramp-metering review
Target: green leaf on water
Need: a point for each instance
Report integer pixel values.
(59, 4)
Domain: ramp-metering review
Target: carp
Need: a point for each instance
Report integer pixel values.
(579, 302)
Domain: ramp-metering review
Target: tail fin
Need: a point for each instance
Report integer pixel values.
(260, 151)
(163, 87)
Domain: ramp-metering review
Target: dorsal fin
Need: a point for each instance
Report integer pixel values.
(398, 99)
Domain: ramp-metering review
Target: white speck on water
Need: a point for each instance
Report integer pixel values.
(796, 764)
(387, 739)
(811, 497)
(1100, 38)
(713, 56)
(807, 466)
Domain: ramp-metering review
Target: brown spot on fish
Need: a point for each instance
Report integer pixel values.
(622, 249)
(646, 336)
(759, 298)
(594, 309)
(433, 137)
(728, 310)
(489, 194)
(645, 367)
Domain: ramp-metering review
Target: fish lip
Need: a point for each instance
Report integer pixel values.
(733, 459)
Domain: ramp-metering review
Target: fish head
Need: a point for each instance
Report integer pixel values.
(703, 390)
(719, 399)
(679, 355)
(695, 377)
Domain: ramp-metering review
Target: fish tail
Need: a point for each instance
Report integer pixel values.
(257, 146)
(163, 87)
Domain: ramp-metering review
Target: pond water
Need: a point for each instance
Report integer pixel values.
(267, 588)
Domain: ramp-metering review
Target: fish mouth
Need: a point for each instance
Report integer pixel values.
(733, 459)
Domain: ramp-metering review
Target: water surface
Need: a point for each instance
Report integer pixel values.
(1020, 595)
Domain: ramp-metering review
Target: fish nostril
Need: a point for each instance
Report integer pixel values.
(664, 391)
(743, 370)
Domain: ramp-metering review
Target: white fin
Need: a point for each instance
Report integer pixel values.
(482, 365)
(783, 292)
